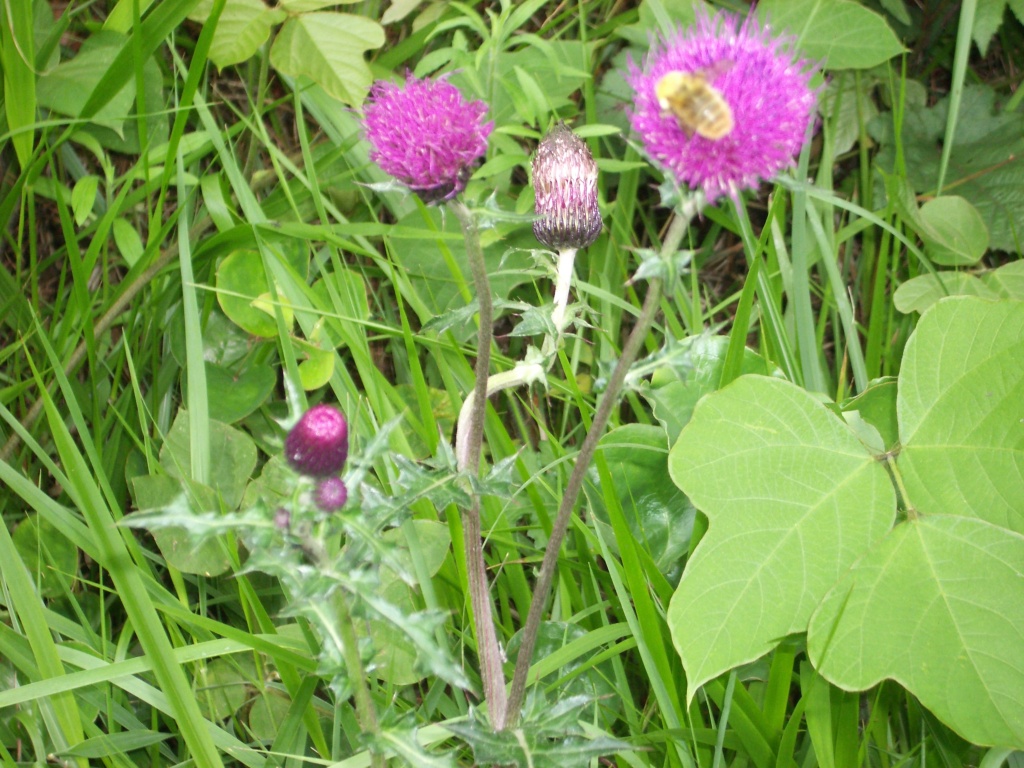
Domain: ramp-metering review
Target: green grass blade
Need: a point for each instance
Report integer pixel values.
(17, 54)
(115, 557)
(968, 8)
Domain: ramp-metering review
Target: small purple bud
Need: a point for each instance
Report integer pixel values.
(331, 494)
(282, 519)
(318, 445)
(565, 187)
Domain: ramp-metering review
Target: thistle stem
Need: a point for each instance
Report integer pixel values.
(575, 484)
(523, 373)
(365, 710)
(339, 629)
(476, 569)
(563, 279)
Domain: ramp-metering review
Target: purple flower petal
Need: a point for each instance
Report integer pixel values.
(764, 84)
(426, 135)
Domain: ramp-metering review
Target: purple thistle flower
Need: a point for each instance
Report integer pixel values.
(565, 186)
(763, 84)
(331, 494)
(318, 445)
(426, 135)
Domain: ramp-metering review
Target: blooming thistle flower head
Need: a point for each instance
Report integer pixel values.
(680, 90)
(318, 445)
(331, 494)
(426, 135)
(565, 188)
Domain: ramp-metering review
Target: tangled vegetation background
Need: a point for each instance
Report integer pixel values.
(519, 384)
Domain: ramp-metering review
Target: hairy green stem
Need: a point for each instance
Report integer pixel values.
(575, 484)
(491, 671)
(366, 713)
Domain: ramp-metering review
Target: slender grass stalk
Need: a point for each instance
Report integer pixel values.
(583, 459)
(968, 10)
(99, 328)
(476, 569)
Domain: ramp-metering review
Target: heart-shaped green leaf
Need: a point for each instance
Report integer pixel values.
(960, 409)
(181, 548)
(243, 26)
(938, 606)
(328, 49)
(793, 498)
(844, 33)
(243, 293)
(234, 395)
(232, 453)
(954, 232)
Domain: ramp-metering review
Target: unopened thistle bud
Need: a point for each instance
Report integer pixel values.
(565, 188)
(318, 445)
(331, 494)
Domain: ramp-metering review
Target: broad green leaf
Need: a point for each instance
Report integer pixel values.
(274, 486)
(267, 713)
(960, 409)
(328, 49)
(188, 552)
(876, 405)
(233, 395)
(398, 10)
(67, 88)
(397, 660)
(792, 497)
(844, 34)
(675, 390)
(660, 517)
(244, 26)
(317, 367)
(243, 293)
(1007, 280)
(128, 241)
(988, 17)
(919, 293)
(954, 233)
(222, 686)
(938, 606)
(305, 6)
(232, 452)
(83, 197)
(661, 16)
(433, 541)
(986, 165)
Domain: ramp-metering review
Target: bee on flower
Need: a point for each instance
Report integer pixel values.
(723, 105)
